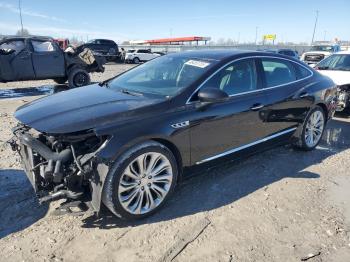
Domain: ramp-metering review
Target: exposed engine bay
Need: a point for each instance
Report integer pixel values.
(343, 97)
(58, 166)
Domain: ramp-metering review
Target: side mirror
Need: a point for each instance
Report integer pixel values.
(211, 95)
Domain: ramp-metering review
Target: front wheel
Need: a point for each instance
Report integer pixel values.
(141, 181)
(78, 77)
(313, 129)
(136, 60)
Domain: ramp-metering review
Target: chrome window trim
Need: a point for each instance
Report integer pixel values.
(236, 149)
(257, 90)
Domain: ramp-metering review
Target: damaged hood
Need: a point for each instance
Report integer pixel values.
(339, 77)
(80, 109)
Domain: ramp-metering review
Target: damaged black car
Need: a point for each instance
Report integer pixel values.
(38, 58)
(125, 142)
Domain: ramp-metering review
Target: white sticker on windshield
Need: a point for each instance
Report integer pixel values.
(197, 63)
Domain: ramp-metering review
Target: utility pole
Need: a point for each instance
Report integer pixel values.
(20, 15)
(256, 35)
(313, 35)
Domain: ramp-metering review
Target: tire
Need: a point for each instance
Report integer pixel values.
(78, 77)
(136, 60)
(122, 192)
(313, 129)
(61, 80)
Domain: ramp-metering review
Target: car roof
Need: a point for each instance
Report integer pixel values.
(223, 54)
(48, 38)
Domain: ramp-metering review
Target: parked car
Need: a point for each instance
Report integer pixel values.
(36, 58)
(102, 47)
(319, 52)
(337, 67)
(284, 51)
(125, 142)
(140, 55)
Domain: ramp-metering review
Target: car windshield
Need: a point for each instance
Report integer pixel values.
(131, 51)
(335, 62)
(326, 48)
(164, 76)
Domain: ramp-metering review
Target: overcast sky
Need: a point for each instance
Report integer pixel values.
(134, 20)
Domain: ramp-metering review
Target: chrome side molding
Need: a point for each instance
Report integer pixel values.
(236, 149)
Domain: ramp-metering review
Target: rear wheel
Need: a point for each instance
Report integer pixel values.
(78, 77)
(136, 60)
(313, 129)
(141, 181)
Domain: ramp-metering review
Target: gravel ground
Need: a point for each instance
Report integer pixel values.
(280, 205)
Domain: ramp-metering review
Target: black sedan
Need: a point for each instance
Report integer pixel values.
(126, 141)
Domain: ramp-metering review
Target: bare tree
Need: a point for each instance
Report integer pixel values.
(23, 32)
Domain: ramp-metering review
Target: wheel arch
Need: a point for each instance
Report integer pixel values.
(173, 148)
(324, 108)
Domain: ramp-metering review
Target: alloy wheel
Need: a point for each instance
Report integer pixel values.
(314, 128)
(145, 182)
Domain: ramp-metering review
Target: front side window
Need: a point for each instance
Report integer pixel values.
(164, 76)
(278, 72)
(239, 77)
(335, 62)
(43, 46)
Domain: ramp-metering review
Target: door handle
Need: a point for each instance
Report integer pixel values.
(256, 107)
(305, 94)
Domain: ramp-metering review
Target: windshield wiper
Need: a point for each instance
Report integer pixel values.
(133, 93)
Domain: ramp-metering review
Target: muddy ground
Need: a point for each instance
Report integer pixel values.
(280, 205)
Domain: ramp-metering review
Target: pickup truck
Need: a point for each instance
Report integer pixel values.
(37, 58)
(319, 52)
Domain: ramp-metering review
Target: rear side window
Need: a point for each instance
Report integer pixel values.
(17, 45)
(302, 72)
(278, 72)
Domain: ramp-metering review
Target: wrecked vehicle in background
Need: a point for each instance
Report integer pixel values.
(38, 58)
(337, 67)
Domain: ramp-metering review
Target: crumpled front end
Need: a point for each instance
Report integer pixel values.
(60, 166)
(86, 59)
(343, 97)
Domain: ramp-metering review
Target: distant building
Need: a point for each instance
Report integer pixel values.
(173, 41)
